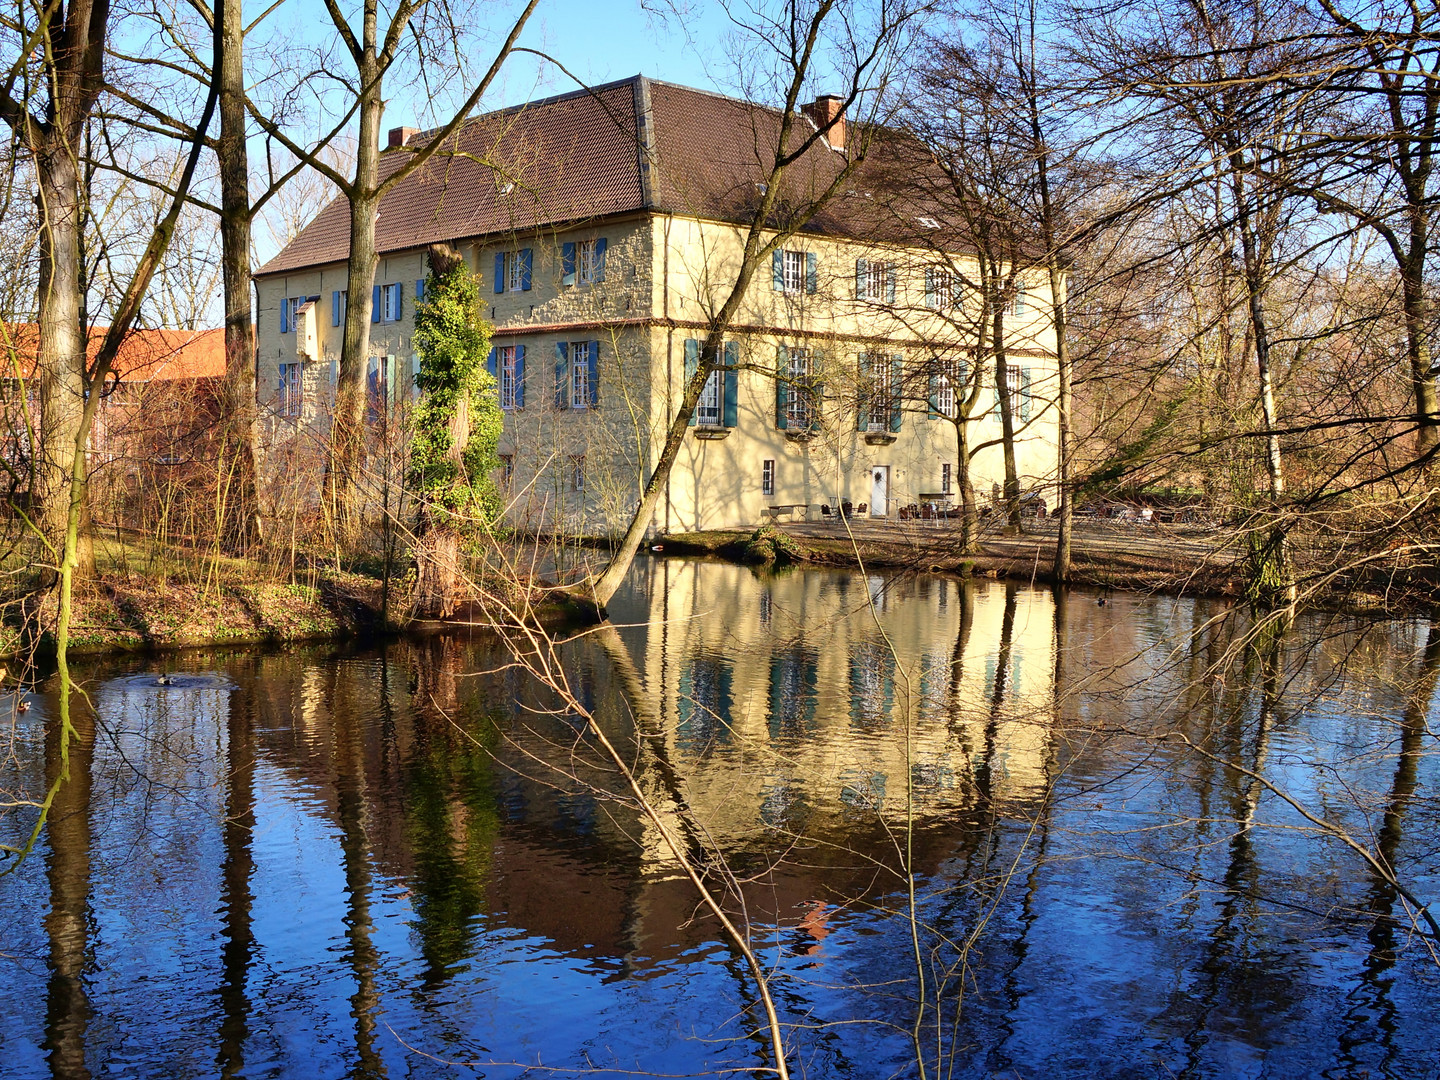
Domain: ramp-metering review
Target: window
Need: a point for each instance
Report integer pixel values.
(946, 385)
(505, 356)
(289, 398)
(945, 478)
(580, 390)
(512, 271)
(800, 403)
(794, 271)
(929, 223)
(880, 392)
(577, 472)
(507, 469)
(874, 281)
(289, 308)
(390, 302)
(1017, 301)
(338, 299)
(767, 477)
(1017, 382)
(587, 262)
(707, 410)
(941, 290)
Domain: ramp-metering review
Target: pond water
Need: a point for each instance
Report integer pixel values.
(972, 829)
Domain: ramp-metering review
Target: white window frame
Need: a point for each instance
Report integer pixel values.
(1013, 383)
(874, 284)
(389, 306)
(880, 411)
(1016, 304)
(579, 376)
(945, 393)
(587, 265)
(767, 477)
(505, 370)
(292, 389)
(514, 272)
(292, 309)
(943, 285)
(799, 401)
(577, 473)
(793, 271)
(708, 410)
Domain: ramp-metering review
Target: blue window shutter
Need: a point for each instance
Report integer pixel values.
(862, 267)
(594, 373)
(782, 387)
(817, 387)
(492, 364)
(600, 246)
(335, 308)
(499, 271)
(897, 377)
(778, 260)
(525, 269)
(812, 272)
(692, 365)
(730, 391)
(890, 283)
(375, 304)
(285, 315)
(1025, 394)
(419, 288)
(399, 294)
(562, 374)
(567, 264)
(930, 287)
(519, 376)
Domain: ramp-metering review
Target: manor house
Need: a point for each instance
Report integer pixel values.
(606, 224)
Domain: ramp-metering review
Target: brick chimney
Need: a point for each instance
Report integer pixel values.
(824, 108)
(401, 136)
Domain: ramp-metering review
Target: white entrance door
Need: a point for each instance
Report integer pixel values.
(879, 490)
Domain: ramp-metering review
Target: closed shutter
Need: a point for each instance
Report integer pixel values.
(862, 270)
(930, 287)
(375, 304)
(420, 289)
(335, 308)
(600, 246)
(897, 385)
(524, 269)
(1025, 394)
(890, 277)
(778, 261)
(499, 271)
(567, 264)
(285, 315)
(594, 373)
(933, 396)
(414, 375)
(866, 383)
(731, 388)
(492, 366)
(812, 272)
(562, 374)
(782, 387)
(519, 376)
(692, 365)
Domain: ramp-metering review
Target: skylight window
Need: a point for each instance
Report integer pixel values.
(929, 223)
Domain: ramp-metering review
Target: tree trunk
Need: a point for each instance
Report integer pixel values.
(241, 520)
(1007, 425)
(969, 519)
(1422, 377)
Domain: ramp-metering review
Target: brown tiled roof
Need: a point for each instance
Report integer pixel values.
(577, 157)
(145, 355)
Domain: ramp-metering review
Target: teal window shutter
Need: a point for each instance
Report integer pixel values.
(816, 389)
(375, 304)
(812, 272)
(519, 376)
(934, 398)
(897, 385)
(866, 394)
(778, 262)
(562, 374)
(930, 287)
(594, 373)
(600, 246)
(890, 277)
(862, 271)
(524, 269)
(499, 271)
(414, 375)
(782, 385)
(731, 387)
(335, 308)
(1025, 394)
(567, 263)
(692, 365)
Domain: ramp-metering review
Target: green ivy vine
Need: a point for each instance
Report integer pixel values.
(453, 341)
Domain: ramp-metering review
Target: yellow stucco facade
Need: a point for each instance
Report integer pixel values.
(579, 462)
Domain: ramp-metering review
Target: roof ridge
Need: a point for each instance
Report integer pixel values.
(583, 91)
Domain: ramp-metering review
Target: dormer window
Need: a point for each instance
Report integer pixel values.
(929, 223)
